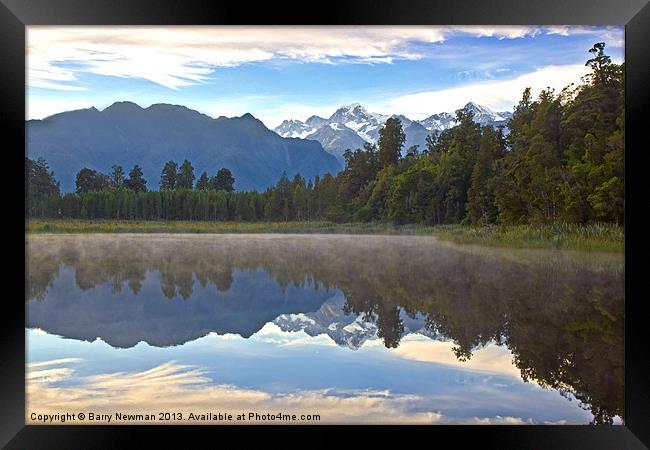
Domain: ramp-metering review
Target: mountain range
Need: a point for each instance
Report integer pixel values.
(350, 127)
(126, 134)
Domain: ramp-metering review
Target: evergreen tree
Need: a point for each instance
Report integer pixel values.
(391, 140)
(168, 176)
(601, 65)
(300, 198)
(203, 184)
(412, 151)
(281, 199)
(117, 176)
(593, 135)
(89, 180)
(42, 191)
(40, 179)
(361, 167)
(185, 176)
(223, 181)
(136, 182)
(481, 207)
(456, 164)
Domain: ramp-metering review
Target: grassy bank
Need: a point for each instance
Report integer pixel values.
(125, 226)
(597, 237)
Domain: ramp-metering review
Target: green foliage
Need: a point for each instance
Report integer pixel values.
(391, 140)
(566, 156)
(136, 181)
(89, 180)
(168, 176)
(223, 181)
(215, 226)
(41, 189)
(185, 176)
(117, 176)
(593, 237)
(203, 184)
(481, 205)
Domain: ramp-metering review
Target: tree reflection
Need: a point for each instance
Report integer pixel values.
(560, 313)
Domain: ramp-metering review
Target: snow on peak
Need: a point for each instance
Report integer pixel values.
(471, 106)
(353, 112)
(485, 115)
(353, 106)
(294, 129)
(337, 132)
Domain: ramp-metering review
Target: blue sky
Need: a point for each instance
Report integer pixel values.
(277, 73)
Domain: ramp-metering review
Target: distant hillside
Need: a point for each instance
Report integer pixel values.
(126, 134)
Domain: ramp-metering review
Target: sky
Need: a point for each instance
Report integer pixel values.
(294, 373)
(293, 72)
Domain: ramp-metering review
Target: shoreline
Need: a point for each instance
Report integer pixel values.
(596, 237)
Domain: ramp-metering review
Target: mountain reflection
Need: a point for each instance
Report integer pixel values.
(559, 313)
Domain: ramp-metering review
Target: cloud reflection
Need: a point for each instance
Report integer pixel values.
(181, 388)
(492, 358)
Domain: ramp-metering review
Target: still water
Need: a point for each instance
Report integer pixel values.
(351, 329)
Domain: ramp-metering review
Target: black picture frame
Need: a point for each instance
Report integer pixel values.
(15, 15)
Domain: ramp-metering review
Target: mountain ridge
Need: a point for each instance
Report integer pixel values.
(127, 134)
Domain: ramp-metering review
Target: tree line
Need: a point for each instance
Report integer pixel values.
(173, 176)
(561, 158)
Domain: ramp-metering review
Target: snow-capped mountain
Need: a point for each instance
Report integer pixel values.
(351, 330)
(442, 121)
(336, 138)
(485, 116)
(355, 117)
(316, 122)
(294, 129)
(352, 115)
(350, 127)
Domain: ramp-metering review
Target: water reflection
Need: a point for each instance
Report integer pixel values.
(559, 313)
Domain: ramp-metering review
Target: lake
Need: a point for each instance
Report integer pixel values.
(320, 329)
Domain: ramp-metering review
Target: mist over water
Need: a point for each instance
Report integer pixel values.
(405, 307)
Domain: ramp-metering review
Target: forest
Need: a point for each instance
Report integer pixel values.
(560, 159)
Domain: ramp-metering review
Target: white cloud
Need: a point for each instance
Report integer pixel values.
(176, 57)
(562, 30)
(500, 32)
(613, 36)
(180, 56)
(499, 95)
